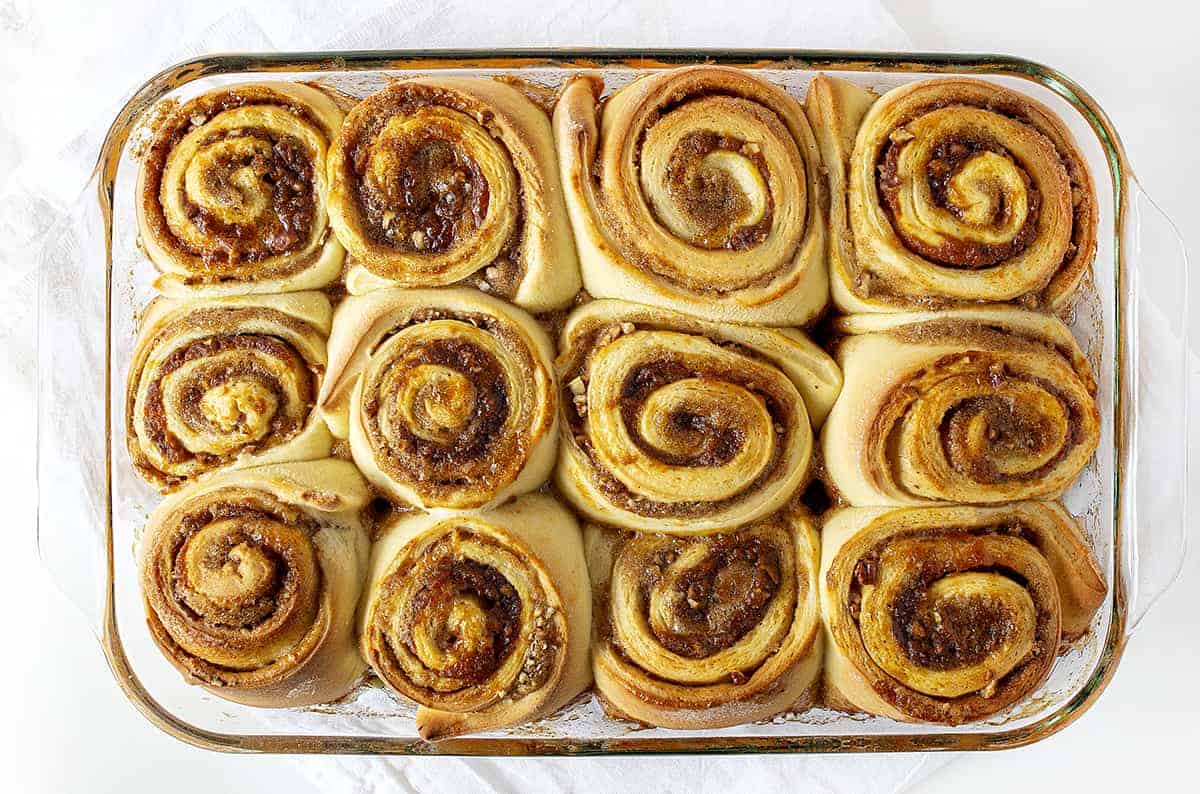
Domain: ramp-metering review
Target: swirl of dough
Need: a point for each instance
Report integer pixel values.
(448, 396)
(251, 579)
(680, 425)
(232, 192)
(963, 405)
(443, 180)
(482, 618)
(224, 383)
(706, 631)
(950, 614)
(953, 191)
(696, 189)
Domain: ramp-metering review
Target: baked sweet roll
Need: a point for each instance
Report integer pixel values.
(706, 631)
(481, 618)
(226, 382)
(673, 424)
(951, 191)
(696, 189)
(231, 194)
(950, 614)
(448, 396)
(445, 180)
(965, 405)
(251, 580)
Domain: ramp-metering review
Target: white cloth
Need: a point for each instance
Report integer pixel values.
(46, 155)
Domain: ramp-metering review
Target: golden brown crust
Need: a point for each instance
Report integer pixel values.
(448, 397)
(482, 618)
(231, 193)
(965, 405)
(696, 189)
(444, 180)
(705, 632)
(950, 614)
(224, 383)
(955, 191)
(679, 425)
(251, 579)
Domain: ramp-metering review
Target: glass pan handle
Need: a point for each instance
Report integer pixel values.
(1155, 520)
(72, 515)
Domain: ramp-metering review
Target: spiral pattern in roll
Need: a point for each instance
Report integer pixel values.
(955, 191)
(481, 618)
(965, 405)
(448, 397)
(226, 383)
(251, 580)
(706, 632)
(696, 189)
(680, 425)
(950, 614)
(439, 181)
(232, 191)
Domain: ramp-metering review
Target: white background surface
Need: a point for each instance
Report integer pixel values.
(68, 727)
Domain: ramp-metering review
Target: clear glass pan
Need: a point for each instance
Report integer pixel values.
(1131, 319)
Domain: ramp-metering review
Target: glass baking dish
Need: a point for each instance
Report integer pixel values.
(1131, 498)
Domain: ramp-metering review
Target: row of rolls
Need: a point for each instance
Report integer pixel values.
(396, 436)
(704, 189)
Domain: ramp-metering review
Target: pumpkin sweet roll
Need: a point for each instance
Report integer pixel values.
(448, 396)
(482, 618)
(226, 382)
(231, 197)
(696, 189)
(966, 405)
(706, 631)
(951, 191)
(950, 614)
(251, 580)
(675, 424)
(444, 180)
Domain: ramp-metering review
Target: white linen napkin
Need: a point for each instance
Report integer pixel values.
(47, 155)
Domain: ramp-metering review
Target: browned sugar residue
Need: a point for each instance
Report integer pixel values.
(275, 590)
(710, 197)
(282, 426)
(948, 158)
(287, 173)
(949, 634)
(433, 463)
(542, 96)
(720, 435)
(722, 598)
(438, 196)
(473, 659)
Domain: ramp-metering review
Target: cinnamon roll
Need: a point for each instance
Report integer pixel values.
(481, 618)
(964, 405)
(251, 580)
(707, 631)
(445, 180)
(696, 189)
(951, 191)
(950, 614)
(447, 396)
(231, 194)
(679, 425)
(225, 383)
